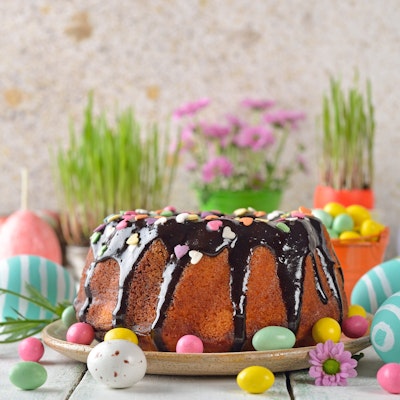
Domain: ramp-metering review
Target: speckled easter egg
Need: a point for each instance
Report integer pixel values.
(385, 330)
(51, 279)
(379, 283)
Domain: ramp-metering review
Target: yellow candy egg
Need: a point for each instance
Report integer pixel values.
(371, 228)
(349, 235)
(356, 309)
(326, 329)
(359, 214)
(121, 334)
(255, 379)
(334, 209)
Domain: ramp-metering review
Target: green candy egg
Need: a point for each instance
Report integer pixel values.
(343, 222)
(28, 375)
(68, 316)
(332, 234)
(273, 338)
(325, 217)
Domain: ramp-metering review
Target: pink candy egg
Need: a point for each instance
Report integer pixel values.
(388, 377)
(355, 326)
(189, 344)
(31, 349)
(81, 333)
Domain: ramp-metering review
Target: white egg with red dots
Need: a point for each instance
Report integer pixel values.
(117, 363)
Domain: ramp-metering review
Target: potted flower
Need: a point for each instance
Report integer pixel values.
(347, 144)
(245, 159)
(108, 168)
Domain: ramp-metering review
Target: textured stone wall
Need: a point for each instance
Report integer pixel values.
(154, 55)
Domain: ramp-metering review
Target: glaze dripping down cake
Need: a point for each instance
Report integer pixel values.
(222, 278)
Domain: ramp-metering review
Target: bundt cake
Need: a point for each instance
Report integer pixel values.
(220, 277)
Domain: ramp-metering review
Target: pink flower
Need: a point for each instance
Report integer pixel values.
(187, 137)
(218, 166)
(215, 130)
(191, 108)
(257, 104)
(255, 137)
(282, 117)
(331, 365)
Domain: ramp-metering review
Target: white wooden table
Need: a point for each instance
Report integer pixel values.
(68, 379)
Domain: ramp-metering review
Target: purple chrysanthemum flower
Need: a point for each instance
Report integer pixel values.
(215, 130)
(283, 117)
(218, 166)
(191, 108)
(257, 104)
(331, 365)
(255, 137)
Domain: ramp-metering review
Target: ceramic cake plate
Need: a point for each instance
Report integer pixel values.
(167, 363)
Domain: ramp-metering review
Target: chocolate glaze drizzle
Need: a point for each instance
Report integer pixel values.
(302, 236)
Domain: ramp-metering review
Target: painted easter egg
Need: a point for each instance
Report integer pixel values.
(385, 330)
(375, 286)
(51, 279)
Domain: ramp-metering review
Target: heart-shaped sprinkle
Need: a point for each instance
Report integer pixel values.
(181, 218)
(180, 250)
(133, 240)
(247, 221)
(121, 225)
(195, 256)
(214, 225)
(160, 221)
(240, 212)
(283, 227)
(227, 233)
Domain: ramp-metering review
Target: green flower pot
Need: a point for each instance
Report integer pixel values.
(227, 201)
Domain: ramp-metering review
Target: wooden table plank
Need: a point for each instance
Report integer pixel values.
(62, 375)
(173, 387)
(363, 387)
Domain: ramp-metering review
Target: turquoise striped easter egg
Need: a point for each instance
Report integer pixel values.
(51, 279)
(385, 330)
(379, 283)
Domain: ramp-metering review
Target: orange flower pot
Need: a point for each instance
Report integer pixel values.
(326, 194)
(358, 256)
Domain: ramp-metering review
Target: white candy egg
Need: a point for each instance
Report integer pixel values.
(385, 330)
(49, 278)
(117, 363)
(378, 284)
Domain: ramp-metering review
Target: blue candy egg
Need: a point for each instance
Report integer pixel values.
(379, 283)
(385, 330)
(49, 278)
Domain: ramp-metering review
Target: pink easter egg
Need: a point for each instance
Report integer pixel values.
(189, 344)
(388, 377)
(24, 232)
(81, 333)
(31, 349)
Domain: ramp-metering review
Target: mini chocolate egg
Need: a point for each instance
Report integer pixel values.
(385, 330)
(51, 279)
(189, 344)
(28, 375)
(117, 363)
(342, 223)
(388, 377)
(273, 338)
(325, 217)
(355, 326)
(375, 286)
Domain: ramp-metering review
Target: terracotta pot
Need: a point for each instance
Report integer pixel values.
(227, 201)
(358, 256)
(326, 194)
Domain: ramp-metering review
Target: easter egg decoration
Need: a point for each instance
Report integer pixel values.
(24, 232)
(385, 330)
(376, 285)
(52, 280)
